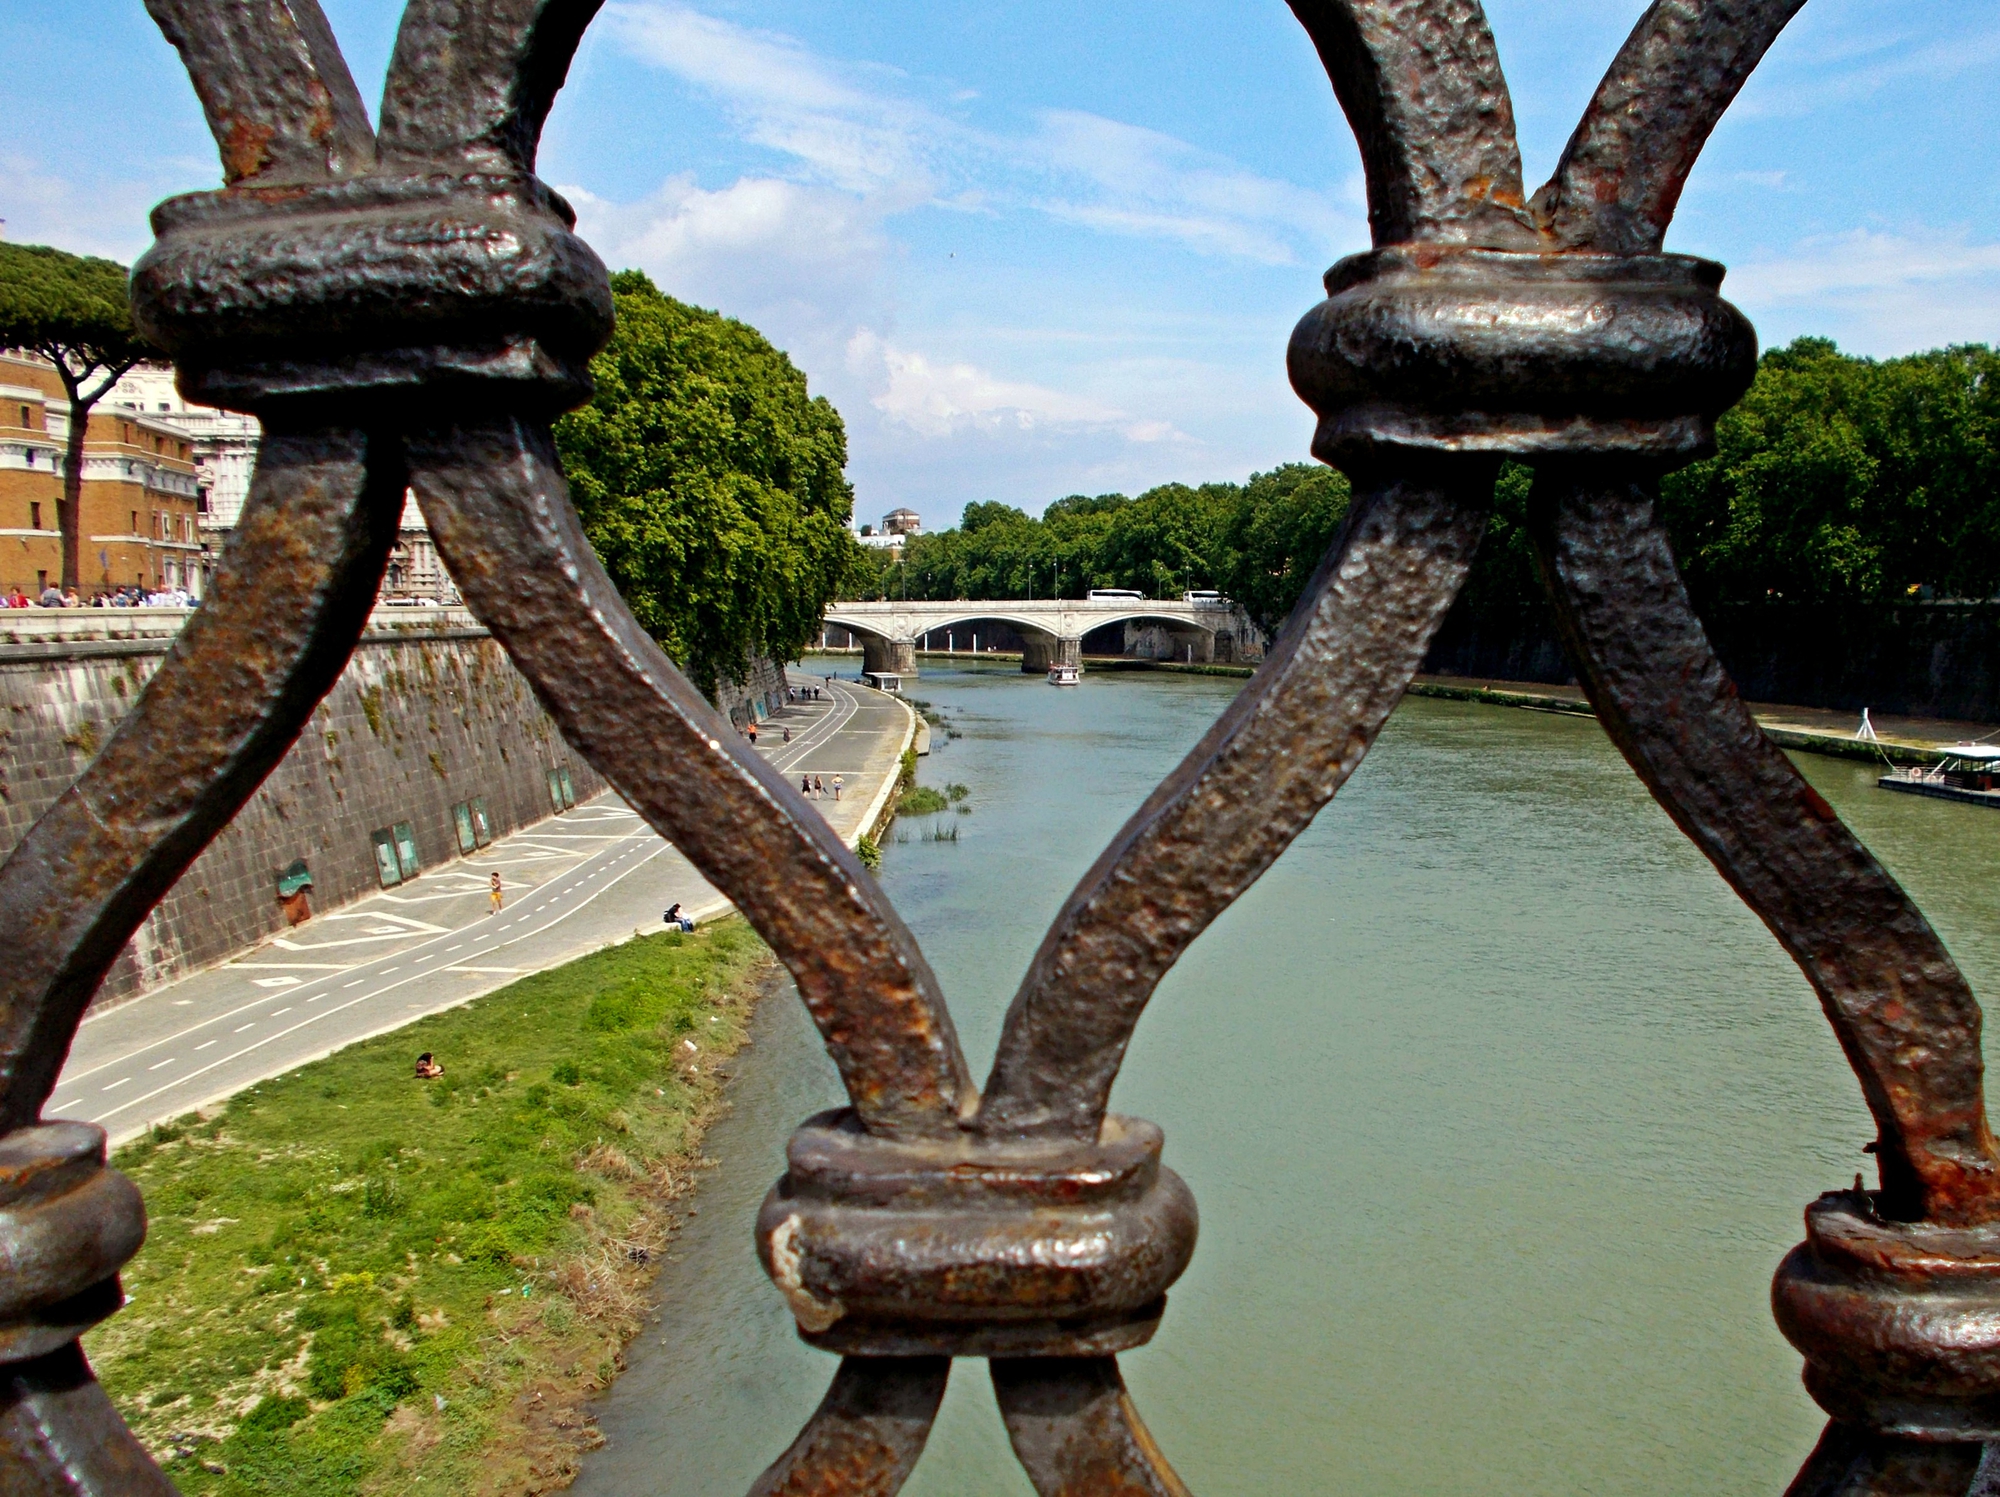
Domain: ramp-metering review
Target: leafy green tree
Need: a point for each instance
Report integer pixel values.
(1841, 479)
(1167, 539)
(711, 484)
(1277, 533)
(74, 311)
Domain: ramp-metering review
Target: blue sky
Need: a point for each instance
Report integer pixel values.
(1040, 248)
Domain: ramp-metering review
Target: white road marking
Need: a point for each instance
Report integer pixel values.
(167, 1062)
(118, 1083)
(324, 1013)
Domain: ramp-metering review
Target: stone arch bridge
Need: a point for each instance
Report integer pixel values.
(1051, 630)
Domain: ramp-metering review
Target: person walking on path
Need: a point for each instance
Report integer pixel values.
(751, 731)
(836, 787)
(493, 893)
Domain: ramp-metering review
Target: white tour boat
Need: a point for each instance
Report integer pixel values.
(1065, 675)
(1967, 772)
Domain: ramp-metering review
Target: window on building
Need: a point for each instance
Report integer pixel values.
(34, 516)
(135, 523)
(24, 417)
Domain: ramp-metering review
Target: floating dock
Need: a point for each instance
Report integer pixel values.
(1939, 791)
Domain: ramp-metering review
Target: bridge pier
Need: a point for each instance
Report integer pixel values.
(889, 656)
(1163, 641)
(1039, 652)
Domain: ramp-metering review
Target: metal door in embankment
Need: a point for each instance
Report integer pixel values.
(407, 306)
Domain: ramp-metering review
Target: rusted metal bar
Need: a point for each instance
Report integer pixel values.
(472, 81)
(1277, 755)
(1621, 174)
(60, 1436)
(866, 1435)
(500, 514)
(1903, 1013)
(365, 296)
(1075, 1431)
(1421, 84)
(280, 101)
(224, 706)
(1852, 1461)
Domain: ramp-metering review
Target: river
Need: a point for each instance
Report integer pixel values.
(1499, 1108)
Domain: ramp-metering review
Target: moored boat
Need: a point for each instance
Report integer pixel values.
(1967, 772)
(1065, 675)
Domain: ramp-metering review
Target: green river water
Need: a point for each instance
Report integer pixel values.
(1499, 1108)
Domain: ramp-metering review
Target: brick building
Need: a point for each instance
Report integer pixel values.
(225, 443)
(141, 509)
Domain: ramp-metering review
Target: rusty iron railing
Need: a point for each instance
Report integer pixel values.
(408, 305)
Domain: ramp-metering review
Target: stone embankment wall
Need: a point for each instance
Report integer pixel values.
(756, 696)
(1914, 659)
(1236, 641)
(428, 713)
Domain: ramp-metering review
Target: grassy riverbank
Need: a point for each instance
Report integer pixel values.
(357, 1282)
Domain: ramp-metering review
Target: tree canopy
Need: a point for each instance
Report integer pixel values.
(1836, 479)
(74, 311)
(69, 308)
(1842, 479)
(711, 484)
(1259, 542)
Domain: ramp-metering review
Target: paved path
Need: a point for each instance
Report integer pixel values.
(1816, 729)
(573, 883)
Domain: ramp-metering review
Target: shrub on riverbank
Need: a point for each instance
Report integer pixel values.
(357, 1282)
(921, 800)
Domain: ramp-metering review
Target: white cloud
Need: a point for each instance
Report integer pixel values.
(804, 249)
(1846, 66)
(1151, 184)
(101, 217)
(847, 124)
(801, 260)
(941, 399)
(1879, 292)
(869, 130)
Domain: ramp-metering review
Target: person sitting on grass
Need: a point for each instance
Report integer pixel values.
(428, 1069)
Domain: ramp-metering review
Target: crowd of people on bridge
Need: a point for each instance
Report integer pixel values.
(129, 596)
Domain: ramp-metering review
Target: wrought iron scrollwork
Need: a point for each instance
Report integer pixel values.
(410, 305)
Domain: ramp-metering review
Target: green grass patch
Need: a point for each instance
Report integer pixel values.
(358, 1282)
(922, 801)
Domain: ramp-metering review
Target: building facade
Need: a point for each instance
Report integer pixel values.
(225, 443)
(141, 500)
(898, 527)
(416, 573)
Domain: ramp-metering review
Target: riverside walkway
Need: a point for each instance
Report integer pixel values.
(574, 883)
(1813, 730)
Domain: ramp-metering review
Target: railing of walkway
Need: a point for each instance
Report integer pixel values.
(409, 305)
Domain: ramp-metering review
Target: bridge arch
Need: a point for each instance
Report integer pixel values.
(1050, 630)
